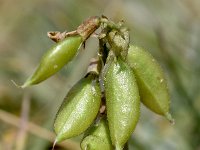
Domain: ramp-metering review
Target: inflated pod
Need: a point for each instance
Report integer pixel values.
(79, 108)
(151, 81)
(55, 59)
(122, 102)
(97, 137)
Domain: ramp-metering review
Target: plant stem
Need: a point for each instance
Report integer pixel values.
(36, 130)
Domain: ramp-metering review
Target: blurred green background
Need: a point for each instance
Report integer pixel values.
(170, 30)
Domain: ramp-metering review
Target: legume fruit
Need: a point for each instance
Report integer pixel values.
(78, 109)
(122, 102)
(151, 81)
(55, 59)
(118, 78)
(97, 137)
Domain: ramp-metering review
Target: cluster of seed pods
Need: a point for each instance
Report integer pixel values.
(105, 104)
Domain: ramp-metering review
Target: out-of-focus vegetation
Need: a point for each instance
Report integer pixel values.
(170, 30)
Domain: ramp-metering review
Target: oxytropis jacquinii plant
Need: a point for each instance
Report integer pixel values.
(105, 103)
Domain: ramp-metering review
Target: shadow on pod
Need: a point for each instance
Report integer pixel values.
(122, 102)
(79, 108)
(151, 81)
(97, 137)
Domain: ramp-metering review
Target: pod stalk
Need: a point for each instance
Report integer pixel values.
(88, 27)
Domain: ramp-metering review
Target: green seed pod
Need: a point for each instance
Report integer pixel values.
(122, 102)
(55, 59)
(79, 109)
(97, 137)
(151, 81)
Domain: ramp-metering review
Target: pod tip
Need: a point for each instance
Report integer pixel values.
(169, 118)
(26, 84)
(118, 147)
(17, 85)
(54, 144)
(86, 147)
(59, 138)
